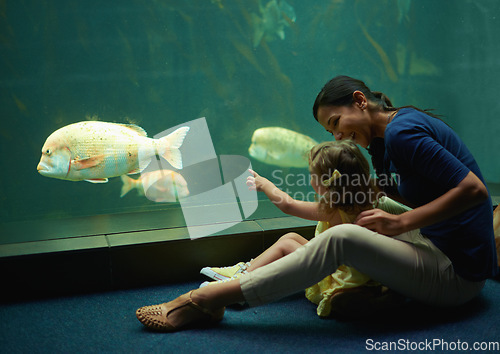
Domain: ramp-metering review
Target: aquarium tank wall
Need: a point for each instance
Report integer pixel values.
(242, 65)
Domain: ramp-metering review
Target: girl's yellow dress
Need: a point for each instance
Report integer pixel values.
(344, 277)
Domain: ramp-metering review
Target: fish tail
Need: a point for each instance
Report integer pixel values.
(128, 184)
(168, 147)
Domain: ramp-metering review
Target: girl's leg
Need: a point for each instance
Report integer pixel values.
(284, 246)
(229, 292)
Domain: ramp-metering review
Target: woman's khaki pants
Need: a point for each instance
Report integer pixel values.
(409, 264)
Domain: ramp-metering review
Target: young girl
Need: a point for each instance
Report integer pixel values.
(340, 175)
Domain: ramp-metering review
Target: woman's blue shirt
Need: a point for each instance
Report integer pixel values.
(429, 159)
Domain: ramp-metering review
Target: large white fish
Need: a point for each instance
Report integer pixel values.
(161, 186)
(281, 147)
(95, 151)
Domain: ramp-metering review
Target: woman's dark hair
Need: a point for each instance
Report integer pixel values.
(339, 92)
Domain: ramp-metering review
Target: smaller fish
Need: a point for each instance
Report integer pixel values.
(161, 186)
(94, 151)
(281, 147)
(403, 10)
(274, 17)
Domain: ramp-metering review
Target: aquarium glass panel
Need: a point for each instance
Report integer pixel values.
(155, 110)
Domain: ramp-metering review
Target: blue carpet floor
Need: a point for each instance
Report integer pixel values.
(106, 322)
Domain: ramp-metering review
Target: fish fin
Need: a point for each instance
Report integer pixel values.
(176, 138)
(281, 33)
(97, 180)
(170, 144)
(88, 162)
(173, 156)
(258, 31)
(135, 171)
(288, 12)
(275, 156)
(135, 128)
(128, 185)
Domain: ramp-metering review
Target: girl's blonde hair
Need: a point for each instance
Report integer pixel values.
(354, 188)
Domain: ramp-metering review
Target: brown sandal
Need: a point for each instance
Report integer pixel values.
(171, 316)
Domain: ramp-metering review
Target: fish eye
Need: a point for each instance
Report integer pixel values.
(48, 152)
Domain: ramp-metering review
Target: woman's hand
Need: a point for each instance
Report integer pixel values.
(256, 182)
(379, 221)
(470, 192)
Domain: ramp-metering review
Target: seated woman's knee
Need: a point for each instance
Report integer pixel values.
(344, 233)
(291, 236)
(290, 242)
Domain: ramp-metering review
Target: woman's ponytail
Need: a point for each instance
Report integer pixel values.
(386, 102)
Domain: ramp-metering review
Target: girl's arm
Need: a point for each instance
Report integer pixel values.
(467, 194)
(288, 205)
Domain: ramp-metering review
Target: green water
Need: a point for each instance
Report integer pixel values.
(159, 64)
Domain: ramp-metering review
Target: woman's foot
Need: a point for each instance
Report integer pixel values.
(177, 314)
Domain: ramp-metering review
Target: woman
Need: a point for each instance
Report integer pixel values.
(437, 175)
